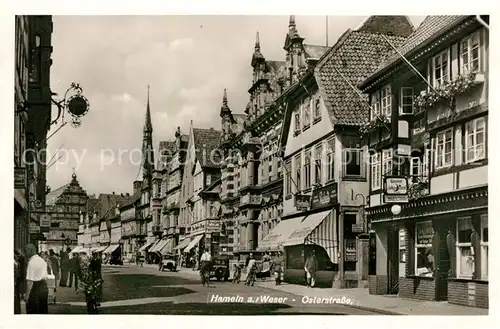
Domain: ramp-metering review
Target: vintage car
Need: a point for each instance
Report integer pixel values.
(220, 268)
(168, 263)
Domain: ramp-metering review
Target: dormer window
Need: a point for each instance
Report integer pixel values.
(385, 101)
(375, 102)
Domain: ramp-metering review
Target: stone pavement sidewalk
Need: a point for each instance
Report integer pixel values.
(385, 304)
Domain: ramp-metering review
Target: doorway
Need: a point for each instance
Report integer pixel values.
(393, 260)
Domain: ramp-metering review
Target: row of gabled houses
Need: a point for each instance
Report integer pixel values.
(372, 153)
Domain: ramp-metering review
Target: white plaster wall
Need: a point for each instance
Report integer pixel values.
(442, 184)
(473, 177)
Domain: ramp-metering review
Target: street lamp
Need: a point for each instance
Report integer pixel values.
(396, 209)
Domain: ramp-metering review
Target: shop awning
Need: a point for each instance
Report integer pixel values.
(318, 228)
(167, 247)
(155, 246)
(101, 248)
(76, 250)
(275, 239)
(182, 245)
(145, 246)
(111, 248)
(159, 246)
(193, 242)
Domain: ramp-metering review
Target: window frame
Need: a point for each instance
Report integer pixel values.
(386, 109)
(344, 163)
(387, 157)
(465, 68)
(318, 164)
(297, 120)
(402, 101)
(316, 105)
(448, 68)
(460, 245)
(306, 113)
(375, 171)
(474, 136)
(330, 164)
(307, 169)
(419, 246)
(444, 153)
(375, 105)
(298, 172)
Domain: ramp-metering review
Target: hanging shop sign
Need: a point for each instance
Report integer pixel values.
(396, 190)
(324, 196)
(20, 178)
(350, 250)
(302, 202)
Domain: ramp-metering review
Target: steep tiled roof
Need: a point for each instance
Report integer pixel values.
(52, 196)
(313, 51)
(91, 205)
(206, 142)
(430, 27)
(355, 55)
(131, 200)
(109, 201)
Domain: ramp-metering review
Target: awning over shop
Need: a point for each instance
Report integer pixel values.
(145, 246)
(193, 242)
(155, 246)
(182, 245)
(159, 246)
(318, 228)
(76, 250)
(167, 247)
(275, 239)
(111, 248)
(101, 248)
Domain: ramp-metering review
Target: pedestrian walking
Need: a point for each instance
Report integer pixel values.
(64, 266)
(251, 270)
(310, 269)
(74, 270)
(206, 263)
(36, 296)
(54, 261)
(19, 275)
(278, 267)
(51, 278)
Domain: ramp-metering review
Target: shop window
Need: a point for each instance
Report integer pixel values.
(375, 171)
(484, 247)
(444, 152)
(474, 140)
(424, 257)
(465, 255)
(469, 53)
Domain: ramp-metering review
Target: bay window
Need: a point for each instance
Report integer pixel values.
(469, 54)
(424, 256)
(484, 246)
(298, 168)
(474, 140)
(307, 113)
(440, 68)
(330, 152)
(307, 169)
(317, 164)
(406, 100)
(387, 162)
(386, 101)
(375, 171)
(465, 256)
(444, 149)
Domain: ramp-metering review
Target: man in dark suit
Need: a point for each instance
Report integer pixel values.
(64, 268)
(74, 270)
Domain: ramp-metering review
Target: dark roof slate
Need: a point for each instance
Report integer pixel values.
(355, 55)
(206, 143)
(388, 25)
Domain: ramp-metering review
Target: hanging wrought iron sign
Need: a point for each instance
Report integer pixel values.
(75, 103)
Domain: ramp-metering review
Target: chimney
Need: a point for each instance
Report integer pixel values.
(127, 194)
(113, 192)
(137, 186)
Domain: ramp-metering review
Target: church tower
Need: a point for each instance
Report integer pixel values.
(147, 149)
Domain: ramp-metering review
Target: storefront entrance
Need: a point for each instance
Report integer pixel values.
(393, 260)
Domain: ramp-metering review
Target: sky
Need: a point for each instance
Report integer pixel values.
(186, 60)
